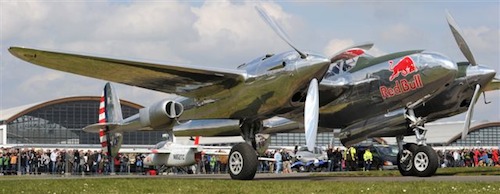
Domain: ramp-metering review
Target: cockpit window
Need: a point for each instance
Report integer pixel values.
(341, 66)
(161, 144)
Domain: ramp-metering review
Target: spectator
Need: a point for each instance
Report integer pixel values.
(286, 161)
(351, 159)
(337, 160)
(13, 162)
(1, 163)
(76, 161)
(213, 161)
(494, 157)
(279, 161)
(138, 163)
(46, 162)
(484, 160)
(368, 158)
(331, 163)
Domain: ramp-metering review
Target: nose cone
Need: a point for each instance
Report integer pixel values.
(479, 74)
(312, 67)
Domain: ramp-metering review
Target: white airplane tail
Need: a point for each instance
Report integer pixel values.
(110, 112)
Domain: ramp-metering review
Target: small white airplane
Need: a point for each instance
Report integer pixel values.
(170, 154)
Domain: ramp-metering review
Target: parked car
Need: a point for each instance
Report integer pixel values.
(384, 156)
(310, 166)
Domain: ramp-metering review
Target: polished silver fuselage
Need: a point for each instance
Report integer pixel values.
(362, 92)
(268, 89)
(455, 99)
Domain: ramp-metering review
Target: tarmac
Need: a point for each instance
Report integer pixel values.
(270, 176)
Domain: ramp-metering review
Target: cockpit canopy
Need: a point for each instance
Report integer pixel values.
(160, 144)
(345, 64)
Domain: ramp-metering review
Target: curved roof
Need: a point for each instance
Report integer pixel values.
(475, 128)
(11, 114)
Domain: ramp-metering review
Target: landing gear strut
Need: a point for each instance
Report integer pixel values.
(416, 159)
(243, 160)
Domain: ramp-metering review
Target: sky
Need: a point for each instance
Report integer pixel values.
(226, 34)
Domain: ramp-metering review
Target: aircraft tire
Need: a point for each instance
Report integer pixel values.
(425, 161)
(242, 162)
(407, 168)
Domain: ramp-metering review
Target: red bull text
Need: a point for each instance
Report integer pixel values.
(402, 86)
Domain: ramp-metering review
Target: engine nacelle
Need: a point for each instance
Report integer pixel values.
(161, 114)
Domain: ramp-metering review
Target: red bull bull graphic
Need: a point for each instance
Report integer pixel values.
(404, 67)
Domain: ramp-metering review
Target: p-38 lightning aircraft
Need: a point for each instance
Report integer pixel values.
(354, 91)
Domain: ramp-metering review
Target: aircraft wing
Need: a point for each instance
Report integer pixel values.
(185, 81)
(493, 85)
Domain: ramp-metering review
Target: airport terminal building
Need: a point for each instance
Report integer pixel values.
(58, 123)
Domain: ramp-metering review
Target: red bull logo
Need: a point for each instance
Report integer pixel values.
(401, 86)
(403, 67)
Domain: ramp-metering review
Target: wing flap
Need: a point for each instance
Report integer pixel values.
(186, 81)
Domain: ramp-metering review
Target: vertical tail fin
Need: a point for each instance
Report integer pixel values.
(197, 140)
(110, 112)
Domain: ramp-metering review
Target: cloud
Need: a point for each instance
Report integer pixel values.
(482, 38)
(401, 32)
(40, 83)
(212, 33)
(235, 30)
(336, 45)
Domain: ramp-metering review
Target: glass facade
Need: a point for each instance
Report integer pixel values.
(487, 136)
(323, 139)
(62, 123)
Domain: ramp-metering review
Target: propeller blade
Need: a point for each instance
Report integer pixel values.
(311, 114)
(470, 111)
(277, 29)
(456, 31)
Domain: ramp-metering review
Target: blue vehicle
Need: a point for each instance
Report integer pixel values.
(310, 166)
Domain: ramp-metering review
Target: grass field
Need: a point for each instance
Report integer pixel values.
(440, 172)
(25, 184)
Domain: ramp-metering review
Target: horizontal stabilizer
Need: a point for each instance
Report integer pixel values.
(493, 85)
(208, 128)
(94, 128)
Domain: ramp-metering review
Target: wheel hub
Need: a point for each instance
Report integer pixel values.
(405, 161)
(421, 161)
(236, 162)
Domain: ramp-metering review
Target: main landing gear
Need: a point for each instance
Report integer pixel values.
(416, 159)
(243, 159)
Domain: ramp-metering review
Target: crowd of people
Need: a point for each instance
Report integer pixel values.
(212, 164)
(469, 157)
(78, 162)
(61, 161)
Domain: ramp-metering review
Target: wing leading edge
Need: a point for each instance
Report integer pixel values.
(184, 81)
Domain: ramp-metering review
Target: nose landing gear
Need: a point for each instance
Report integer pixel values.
(416, 159)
